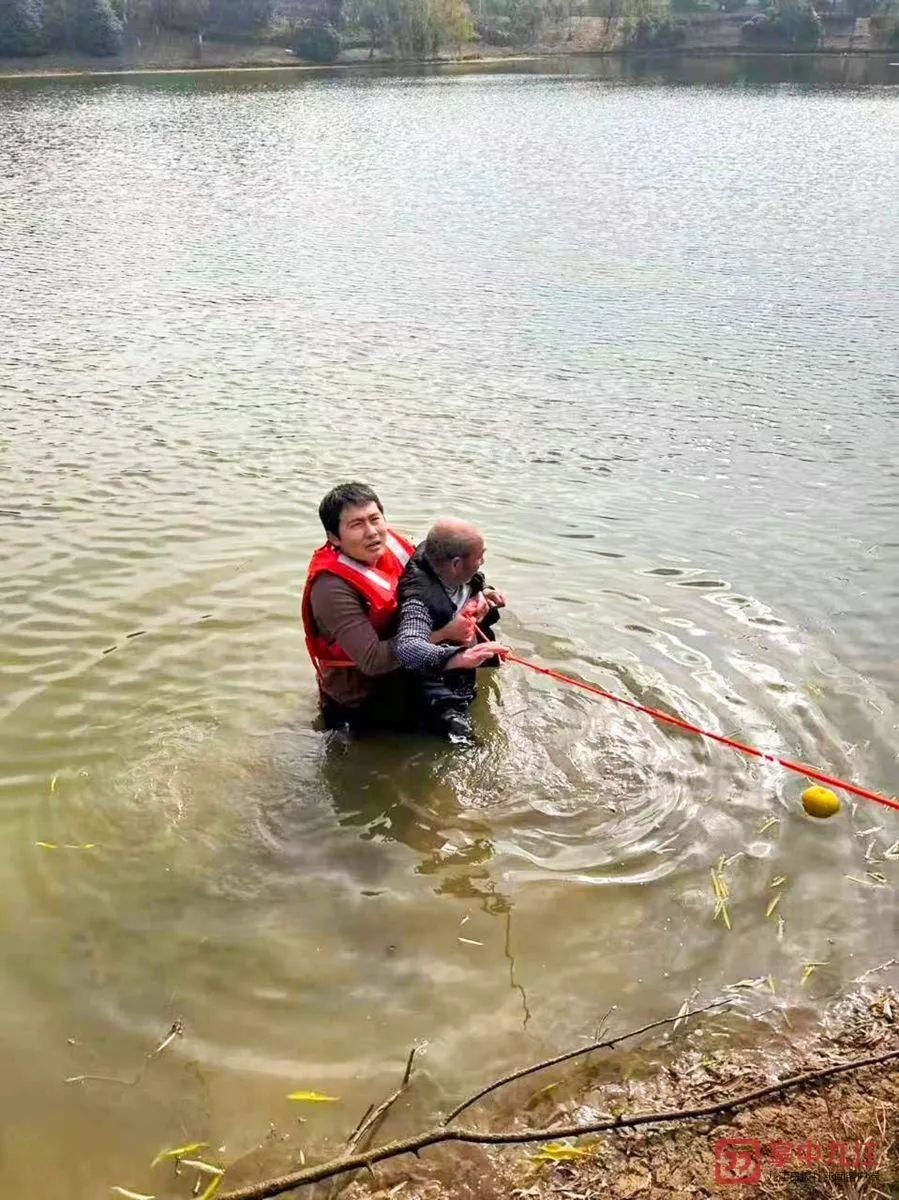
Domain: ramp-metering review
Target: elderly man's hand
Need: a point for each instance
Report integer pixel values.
(494, 598)
(477, 607)
(460, 630)
(475, 656)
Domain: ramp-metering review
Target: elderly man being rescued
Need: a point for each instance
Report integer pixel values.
(442, 580)
(350, 613)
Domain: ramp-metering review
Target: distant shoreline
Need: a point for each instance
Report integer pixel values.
(78, 71)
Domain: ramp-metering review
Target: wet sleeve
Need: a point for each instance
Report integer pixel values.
(412, 644)
(341, 615)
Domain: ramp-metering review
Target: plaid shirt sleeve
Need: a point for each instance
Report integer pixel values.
(412, 645)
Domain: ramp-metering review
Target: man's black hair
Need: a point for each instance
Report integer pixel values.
(345, 495)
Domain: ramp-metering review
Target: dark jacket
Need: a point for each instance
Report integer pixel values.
(420, 581)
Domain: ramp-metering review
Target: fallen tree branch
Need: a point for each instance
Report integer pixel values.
(368, 1126)
(371, 1122)
(608, 1044)
(433, 1137)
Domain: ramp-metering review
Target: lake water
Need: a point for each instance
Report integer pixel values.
(643, 330)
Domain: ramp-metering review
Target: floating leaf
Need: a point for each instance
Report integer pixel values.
(313, 1097)
(778, 881)
(774, 903)
(177, 1152)
(721, 911)
(80, 846)
(204, 1168)
(131, 1195)
(53, 783)
(47, 845)
(470, 941)
(769, 823)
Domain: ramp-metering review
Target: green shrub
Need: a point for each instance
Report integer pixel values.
(96, 29)
(21, 33)
(653, 33)
(792, 26)
(239, 16)
(317, 43)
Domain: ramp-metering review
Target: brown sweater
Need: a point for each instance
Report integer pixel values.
(341, 615)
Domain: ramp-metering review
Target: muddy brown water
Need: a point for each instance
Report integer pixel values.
(644, 331)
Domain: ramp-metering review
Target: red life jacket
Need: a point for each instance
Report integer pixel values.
(377, 584)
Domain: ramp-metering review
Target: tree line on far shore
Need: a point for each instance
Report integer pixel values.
(316, 30)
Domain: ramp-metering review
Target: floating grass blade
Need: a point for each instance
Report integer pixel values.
(129, 1195)
(313, 1097)
(721, 911)
(214, 1185)
(773, 905)
(204, 1168)
(772, 821)
(177, 1152)
(680, 1015)
(808, 971)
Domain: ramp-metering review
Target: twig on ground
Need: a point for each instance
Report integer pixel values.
(884, 966)
(608, 1044)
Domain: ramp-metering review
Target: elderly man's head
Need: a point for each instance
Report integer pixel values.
(455, 550)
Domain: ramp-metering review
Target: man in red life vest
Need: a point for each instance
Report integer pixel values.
(350, 613)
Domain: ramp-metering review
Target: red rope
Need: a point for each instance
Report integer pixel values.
(799, 768)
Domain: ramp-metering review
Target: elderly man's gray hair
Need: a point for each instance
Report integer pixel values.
(450, 538)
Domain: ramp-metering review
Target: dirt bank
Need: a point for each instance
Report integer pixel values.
(802, 1144)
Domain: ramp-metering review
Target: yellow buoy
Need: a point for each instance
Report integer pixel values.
(820, 801)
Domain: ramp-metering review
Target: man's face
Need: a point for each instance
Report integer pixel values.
(363, 533)
(463, 568)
